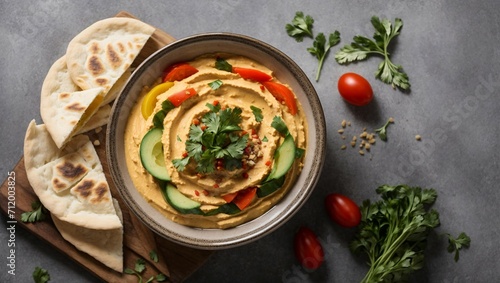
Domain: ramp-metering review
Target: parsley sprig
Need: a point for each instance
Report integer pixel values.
(362, 47)
(41, 275)
(37, 214)
(456, 244)
(393, 231)
(321, 48)
(382, 131)
(140, 267)
(218, 139)
(300, 27)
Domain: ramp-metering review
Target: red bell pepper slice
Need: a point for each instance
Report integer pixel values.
(252, 74)
(181, 96)
(178, 72)
(245, 197)
(229, 197)
(283, 94)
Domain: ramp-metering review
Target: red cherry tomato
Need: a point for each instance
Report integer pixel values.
(343, 210)
(355, 89)
(308, 249)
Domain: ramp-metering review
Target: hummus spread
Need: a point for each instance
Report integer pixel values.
(208, 188)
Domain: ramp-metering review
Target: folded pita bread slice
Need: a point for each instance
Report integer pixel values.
(99, 119)
(100, 54)
(84, 200)
(104, 245)
(64, 107)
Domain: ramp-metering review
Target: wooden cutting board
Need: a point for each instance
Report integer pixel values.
(175, 261)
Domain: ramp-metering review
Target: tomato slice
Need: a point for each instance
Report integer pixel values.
(178, 72)
(181, 96)
(252, 74)
(283, 94)
(245, 197)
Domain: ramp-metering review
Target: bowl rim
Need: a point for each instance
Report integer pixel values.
(273, 224)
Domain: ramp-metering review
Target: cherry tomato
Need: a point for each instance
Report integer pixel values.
(343, 210)
(308, 249)
(355, 89)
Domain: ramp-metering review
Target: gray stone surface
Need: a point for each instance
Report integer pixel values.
(450, 49)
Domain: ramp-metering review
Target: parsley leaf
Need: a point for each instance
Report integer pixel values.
(362, 47)
(153, 256)
(300, 27)
(257, 112)
(41, 275)
(37, 214)
(321, 48)
(140, 265)
(215, 84)
(455, 245)
(382, 131)
(223, 65)
(161, 277)
(393, 231)
(279, 125)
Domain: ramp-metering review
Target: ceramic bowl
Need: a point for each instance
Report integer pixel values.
(187, 49)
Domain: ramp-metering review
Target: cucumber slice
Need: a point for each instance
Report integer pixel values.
(151, 152)
(284, 158)
(180, 202)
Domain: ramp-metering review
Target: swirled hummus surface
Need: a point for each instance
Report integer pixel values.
(211, 187)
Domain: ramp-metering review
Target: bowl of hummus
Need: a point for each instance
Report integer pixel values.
(216, 140)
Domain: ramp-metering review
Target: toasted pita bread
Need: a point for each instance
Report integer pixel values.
(64, 107)
(100, 54)
(104, 245)
(84, 198)
(99, 119)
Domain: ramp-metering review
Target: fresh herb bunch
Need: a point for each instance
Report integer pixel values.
(393, 231)
(300, 27)
(321, 48)
(219, 139)
(362, 47)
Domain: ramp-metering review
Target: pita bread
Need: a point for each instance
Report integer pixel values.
(104, 245)
(64, 107)
(99, 119)
(100, 54)
(84, 198)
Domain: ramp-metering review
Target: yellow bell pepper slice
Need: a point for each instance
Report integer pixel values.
(149, 101)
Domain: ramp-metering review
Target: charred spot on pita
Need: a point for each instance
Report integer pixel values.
(95, 65)
(101, 81)
(100, 193)
(84, 188)
(75, 107)
(113, 57)
(94, 48)
(121, 47)
(63, 95)
(70, 171)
